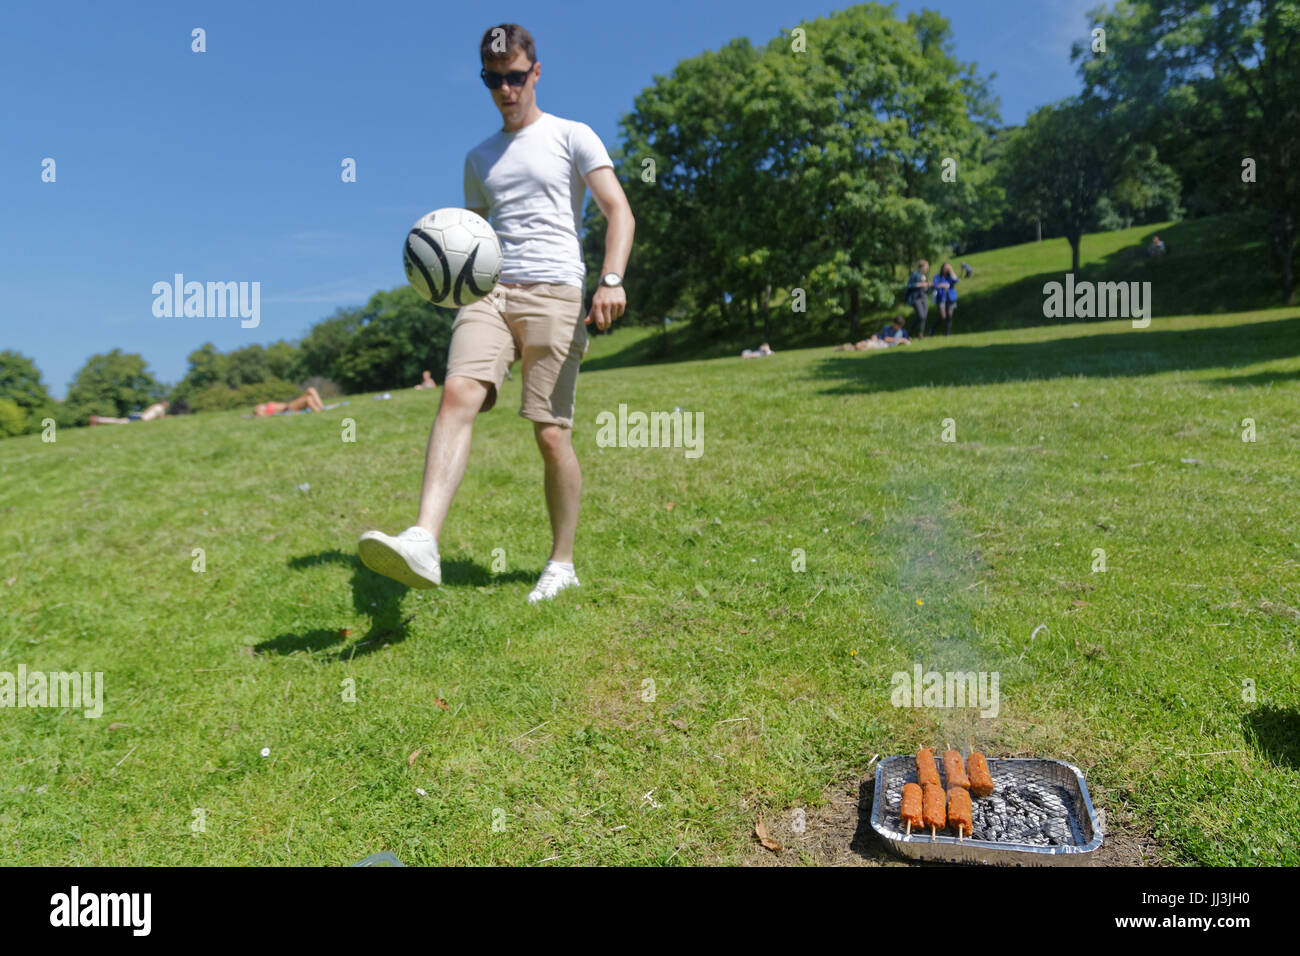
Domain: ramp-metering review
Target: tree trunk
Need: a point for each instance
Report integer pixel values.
(1075, 242)
(767, 311)
(1286, 249)
(855, 307)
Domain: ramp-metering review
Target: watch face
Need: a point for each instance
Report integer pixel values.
(611, 279)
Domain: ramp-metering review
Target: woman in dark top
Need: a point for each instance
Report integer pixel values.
(917, 285)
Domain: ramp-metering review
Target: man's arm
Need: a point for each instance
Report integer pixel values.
(608, 304)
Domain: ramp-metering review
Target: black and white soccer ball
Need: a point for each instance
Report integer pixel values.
(452, 257)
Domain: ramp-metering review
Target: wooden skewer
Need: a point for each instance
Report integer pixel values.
(909, 829)
(931, 832)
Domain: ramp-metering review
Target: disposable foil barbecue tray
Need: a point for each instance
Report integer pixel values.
(1038, 814)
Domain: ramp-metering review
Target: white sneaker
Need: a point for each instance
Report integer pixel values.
(411, 557)
(554, 579)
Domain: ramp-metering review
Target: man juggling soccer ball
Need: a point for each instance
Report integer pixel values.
(528, 179)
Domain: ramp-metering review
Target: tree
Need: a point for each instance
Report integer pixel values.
(397, 336)
(20, 383)
(115, 384)
(818, 166)
(13, 420)
(1223, 79)
(207, 367)
(677, 140)
(247, 366)
(1057, 167)
(323, 346)
(1145, 189)
(283, 360)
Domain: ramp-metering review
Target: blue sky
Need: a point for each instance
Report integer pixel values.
(225, 165)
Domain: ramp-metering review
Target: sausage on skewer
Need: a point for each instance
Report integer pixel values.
(953, 770)
(910, 812)
(981, 782)
(933, 808)
(959, 810)
(926, 772)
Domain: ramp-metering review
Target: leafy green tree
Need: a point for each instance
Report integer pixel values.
(327, 341)
(815, 163)
(1058, 167)
(677, 142)
(397, 335)
(115, 383)
(1221, 82)
(13, 420)
(20, 381)
(247, 366)
(1145, 190)
(283, 360)
(207, 366)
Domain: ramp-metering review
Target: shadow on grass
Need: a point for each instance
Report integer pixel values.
(1274, 732)
(1259, 378)
(378, 598)
(1129, 353)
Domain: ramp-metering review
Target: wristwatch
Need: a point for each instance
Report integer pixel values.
(611, 279)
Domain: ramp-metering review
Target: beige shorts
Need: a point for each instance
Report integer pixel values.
(538, 325)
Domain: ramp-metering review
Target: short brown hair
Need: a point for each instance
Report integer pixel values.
(510, 35)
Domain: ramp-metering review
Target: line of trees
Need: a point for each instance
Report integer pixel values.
(829, 160)
(387, 343)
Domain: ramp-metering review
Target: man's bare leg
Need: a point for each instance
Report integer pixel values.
(448, 451)
(563, 487)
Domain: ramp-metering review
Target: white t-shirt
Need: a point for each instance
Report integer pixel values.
(531, 183)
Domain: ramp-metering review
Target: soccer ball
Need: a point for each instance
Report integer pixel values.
(452, 257)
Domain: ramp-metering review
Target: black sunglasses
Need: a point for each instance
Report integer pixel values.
(493, 80)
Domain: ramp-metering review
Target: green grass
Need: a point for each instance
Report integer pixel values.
(1215, 265)
(770, 685)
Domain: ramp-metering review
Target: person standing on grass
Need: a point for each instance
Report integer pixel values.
(945, 294)
(917, 285)
(528, 179)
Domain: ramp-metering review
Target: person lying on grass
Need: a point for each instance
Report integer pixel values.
(309, 399)
(156, 410)
(892, 334)
(895, 333)
(862, 346)
(762, 351)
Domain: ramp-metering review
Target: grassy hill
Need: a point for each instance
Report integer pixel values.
(1215, 265)
(731, 649)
